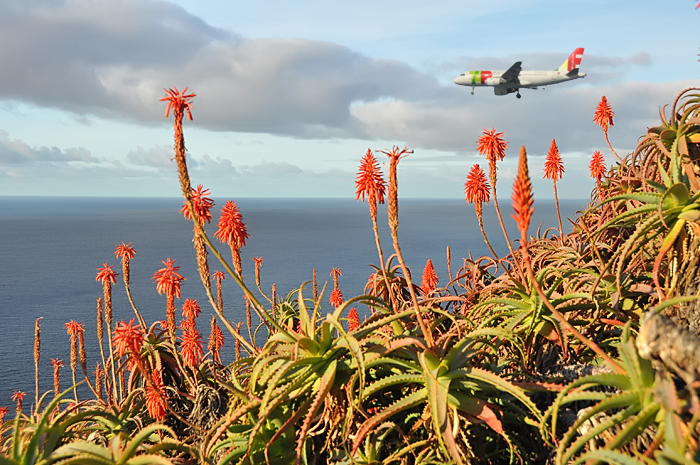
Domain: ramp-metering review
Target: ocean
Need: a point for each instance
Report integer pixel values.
(51, 248)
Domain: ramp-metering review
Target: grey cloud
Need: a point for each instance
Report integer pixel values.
(17, 152)
(155, 157)
(561, 112)
(272, 168)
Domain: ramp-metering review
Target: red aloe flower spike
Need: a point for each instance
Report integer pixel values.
(353, 320)
(216, 340)
(522, 196)
(18, 396)
(553, 165)
(335, 272)
(370, 182)
(201, 204)
(155, 397)
(258, 261)
(191, 347)
(553, 169)
(476, 189)
(190, 309)
(99, 375)
(57, 364)
(597, 168)
(218, 277)
(125, 251)
(492, 144)
(232, 231)
(178, 101)
(430, 278)
(128, 336)
(106, 275)
(3, 412)
(168, 279)
(603, 116)
(336, 298)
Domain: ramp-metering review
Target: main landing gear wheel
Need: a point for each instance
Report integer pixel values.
(518, 95)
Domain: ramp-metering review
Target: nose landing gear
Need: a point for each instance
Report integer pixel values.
(473, 89)
(518, 95)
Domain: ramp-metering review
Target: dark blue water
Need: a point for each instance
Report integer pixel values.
(51, 249)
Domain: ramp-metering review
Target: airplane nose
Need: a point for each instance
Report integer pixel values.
(458, 80)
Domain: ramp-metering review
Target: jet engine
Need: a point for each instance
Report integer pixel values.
(504, 90)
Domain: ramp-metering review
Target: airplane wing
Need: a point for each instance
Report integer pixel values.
(512, 74)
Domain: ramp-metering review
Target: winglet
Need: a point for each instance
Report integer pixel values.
(573, 62)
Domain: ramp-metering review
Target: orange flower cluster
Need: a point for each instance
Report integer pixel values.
(522, 196)
(190, 310)
(125, 251)
(492, 145)
(201, 204)
(106, 275)
(603, 116)
(353, 320)
(370, 182)
(476, 189)
(168, 279)
(18, 396)
(430, 278)
(191, 346)
(336, 298)
(178, 101)
(128, 336)
(597, 166)
(231, 229)
(155, 397)
(553, 165)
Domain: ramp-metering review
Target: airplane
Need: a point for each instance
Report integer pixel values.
(513, 79)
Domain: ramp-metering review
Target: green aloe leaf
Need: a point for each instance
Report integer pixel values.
(611, 457)
(372, 422)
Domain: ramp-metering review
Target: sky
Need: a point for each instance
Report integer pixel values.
(290, 95)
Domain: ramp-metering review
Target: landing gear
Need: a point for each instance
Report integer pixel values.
(473, 90)
(518, 95)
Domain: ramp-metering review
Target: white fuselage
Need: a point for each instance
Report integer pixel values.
(527, 79)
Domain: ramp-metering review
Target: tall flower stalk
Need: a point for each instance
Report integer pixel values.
(198, 210)
(336, 297)
(108, 277)
(57, 364)
(523, 208)
(37, 357)
(491, 144)
(126, 253)
(369, 183)
(181, 103)
(603, 117)
(218, 277)
(395, 155)
(476, 191)
(73, 328)
(168, 282)
(553, 169)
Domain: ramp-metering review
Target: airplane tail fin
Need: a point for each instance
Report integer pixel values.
(572, 63)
